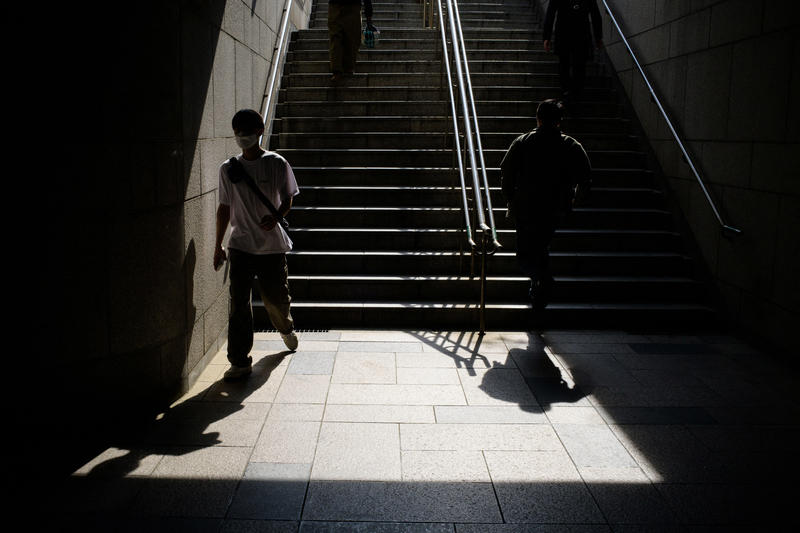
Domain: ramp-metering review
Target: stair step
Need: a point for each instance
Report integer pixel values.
(426, 217)
(444, 176)
(498, 316)
(435, 157)
(367, 288)
(421, 123)
(440, 239)
(340, 262)
(348, 90)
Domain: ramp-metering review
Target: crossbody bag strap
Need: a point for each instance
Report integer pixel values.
(239, 173)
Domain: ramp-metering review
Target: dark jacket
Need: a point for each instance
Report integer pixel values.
(573, 35)
(543, 171)
(367, 5)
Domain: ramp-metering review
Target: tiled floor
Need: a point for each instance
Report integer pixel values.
(390, 431)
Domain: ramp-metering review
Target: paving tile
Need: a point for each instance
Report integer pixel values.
(357, 451)
(563, 348)
(671, 454)
(303, 389)
(260, 386)
(557, 391)
(532, 466)
(344, 393)
(444, 466)
(665, 377)
(365, 367)
(409, 414)
(538, 364)
(303, 412)
(741, 388)
(673, 339)
(427, 376)
(271, 491)
(268, 359)
(731, 504)
(496, 386)
(651, 528)
(534, 437)
(593, 446)
(193, 482)
(206, 432)
(119, 462)
(672, 348)
(98, 494)
(380, 346)
(362, 501)
(675, 362)
(626, 496)
(258, 526)
(652, 396)
(759, 416)
(655, 415)
(777, 468)
(384, 335)
(531, 528)
(286, 442)
(134, 524)
(304, 362)
(523, 342)
(438, 359)
(748, 438)
(373, 527)
(559, 414)
(597, 369)
(479, 414)
(548, 502)
(218, 411)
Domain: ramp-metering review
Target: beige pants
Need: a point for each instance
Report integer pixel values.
(344, 28)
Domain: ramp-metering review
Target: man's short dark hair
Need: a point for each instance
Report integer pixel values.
(247, 119)
(549, 112)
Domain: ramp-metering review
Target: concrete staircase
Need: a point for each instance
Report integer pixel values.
(376, 225)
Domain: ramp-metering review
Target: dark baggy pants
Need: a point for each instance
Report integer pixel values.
(344, 29)
(273, 283)
(572, 75)
(533, 246)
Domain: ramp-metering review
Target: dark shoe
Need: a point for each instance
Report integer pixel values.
(336, 78)
(350, 72)
(540, 294)
(235, 372)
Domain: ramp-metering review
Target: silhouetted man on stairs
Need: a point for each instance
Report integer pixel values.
(544, 173)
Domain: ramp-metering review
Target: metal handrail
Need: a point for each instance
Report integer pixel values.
(473, 148)
(727, 231)
(268, 101)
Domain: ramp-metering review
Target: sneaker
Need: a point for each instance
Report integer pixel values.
(238, 371)
(290, 340)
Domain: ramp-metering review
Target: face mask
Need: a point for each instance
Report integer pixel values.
(246, 141)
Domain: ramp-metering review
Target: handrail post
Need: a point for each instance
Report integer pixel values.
(483, 286)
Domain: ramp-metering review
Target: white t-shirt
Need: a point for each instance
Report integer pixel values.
(276, 180)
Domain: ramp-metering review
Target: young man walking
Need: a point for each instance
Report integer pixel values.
(258, 242)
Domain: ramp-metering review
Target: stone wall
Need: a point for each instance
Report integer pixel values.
(144, 94)
(728, 74)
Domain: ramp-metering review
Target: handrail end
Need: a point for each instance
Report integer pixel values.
(729, 232)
